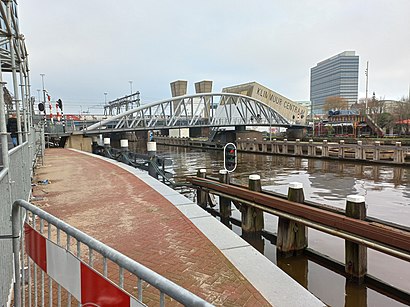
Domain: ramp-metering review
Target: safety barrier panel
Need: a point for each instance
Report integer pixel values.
(15, 183)
(71, 267)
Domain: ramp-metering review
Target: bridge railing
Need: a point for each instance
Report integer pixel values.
(63, 264)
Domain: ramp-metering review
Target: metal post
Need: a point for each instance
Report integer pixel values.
(24, 103)
(14, 74)
(367, 83)
(3, 125)
(15, 220)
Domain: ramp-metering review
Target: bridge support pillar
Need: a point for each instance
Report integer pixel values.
(252, 218)
(79, 142)
(201, 196)
(355, 254)
(224, 203)
(292, 236)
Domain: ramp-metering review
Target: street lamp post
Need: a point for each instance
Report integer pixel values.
(44, 92)
(367, 83)
(130, 82)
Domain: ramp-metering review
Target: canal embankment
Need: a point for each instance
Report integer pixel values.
(155, 225)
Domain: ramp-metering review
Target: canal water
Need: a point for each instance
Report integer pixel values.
(387, 193)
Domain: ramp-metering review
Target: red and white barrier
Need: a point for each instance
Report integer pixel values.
(87, 285)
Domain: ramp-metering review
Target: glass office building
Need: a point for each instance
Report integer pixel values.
(336, 76)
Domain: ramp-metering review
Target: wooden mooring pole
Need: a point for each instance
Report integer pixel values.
(224, 203)
(292, 236)
(201, 197)
(252, 218)
(355, 254)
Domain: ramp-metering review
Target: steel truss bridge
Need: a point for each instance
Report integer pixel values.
(213, 110)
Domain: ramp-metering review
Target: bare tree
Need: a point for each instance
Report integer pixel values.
(335, 103)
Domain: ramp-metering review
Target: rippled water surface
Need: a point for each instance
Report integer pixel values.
(387, 192)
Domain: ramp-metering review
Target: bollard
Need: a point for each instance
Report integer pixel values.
(355, 254)
(376, 152)
(124, 145)
(152, 152)
(224, 203)
(292, 236)
(252, 218)
(201, 196)
(107, 142)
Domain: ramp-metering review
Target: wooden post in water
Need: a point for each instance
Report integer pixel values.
(201, 197)
(292, 236)
(355, 254)
(224, 203)
(252, 218)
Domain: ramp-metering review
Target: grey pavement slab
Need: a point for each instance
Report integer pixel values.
(274, 284)
(193, 211)
(218, 233)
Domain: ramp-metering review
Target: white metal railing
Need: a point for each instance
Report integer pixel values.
(59, 255)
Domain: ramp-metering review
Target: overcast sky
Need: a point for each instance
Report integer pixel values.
(88, 47)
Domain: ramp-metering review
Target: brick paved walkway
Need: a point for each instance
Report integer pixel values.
(122, 211)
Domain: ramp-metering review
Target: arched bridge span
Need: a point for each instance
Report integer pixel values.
(199, 110)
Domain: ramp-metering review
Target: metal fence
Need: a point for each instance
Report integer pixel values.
(15, 183)
(64, 265)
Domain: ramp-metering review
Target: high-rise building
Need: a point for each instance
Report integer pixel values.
(337, 76)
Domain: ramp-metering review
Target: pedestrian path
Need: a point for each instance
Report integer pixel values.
(154, 225)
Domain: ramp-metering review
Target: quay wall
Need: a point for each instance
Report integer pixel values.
(359, 152)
